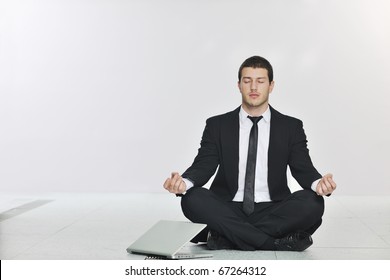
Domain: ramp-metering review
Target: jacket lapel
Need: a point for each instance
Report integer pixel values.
(230, 153)
(277, 142)
(272, 138)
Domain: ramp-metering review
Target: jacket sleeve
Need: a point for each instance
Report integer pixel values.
(207, 159)
(300, 163)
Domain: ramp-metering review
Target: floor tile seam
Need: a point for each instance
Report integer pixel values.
(387, 197)
(383, 237)
(76, 220)
(353, 214)
(47, 237)
(372, 230)
(22, 251)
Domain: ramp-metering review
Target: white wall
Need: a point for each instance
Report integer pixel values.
(113, 95)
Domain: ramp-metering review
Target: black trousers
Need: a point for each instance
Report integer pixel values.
(301, 211)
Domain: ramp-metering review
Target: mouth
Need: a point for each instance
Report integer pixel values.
(253, 95)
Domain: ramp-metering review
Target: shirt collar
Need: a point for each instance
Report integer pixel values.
(244, 116)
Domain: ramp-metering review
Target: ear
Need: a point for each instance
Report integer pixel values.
(271, 86)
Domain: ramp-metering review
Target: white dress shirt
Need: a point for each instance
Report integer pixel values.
(261, 178)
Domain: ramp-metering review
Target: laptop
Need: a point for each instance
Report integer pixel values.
(166, 238)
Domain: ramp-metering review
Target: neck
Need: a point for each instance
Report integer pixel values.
(255, 111)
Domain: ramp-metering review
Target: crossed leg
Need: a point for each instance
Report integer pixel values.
(301, 211)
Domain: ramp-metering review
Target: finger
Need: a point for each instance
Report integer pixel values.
(326, 192)
(174, 174)
(170, 182)
(176, 177)
(330, 184)
(333, 183)
(173, 178)
(329, 190)
(324, 189)
(328, 180)
(328, 175)
(182, 187)
(319, 189)
(327, 184)
(178, 182)
(179, 187)
(167, 183)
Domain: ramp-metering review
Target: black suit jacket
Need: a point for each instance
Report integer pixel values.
(220, 149)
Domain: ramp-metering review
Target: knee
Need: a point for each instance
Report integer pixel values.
(192, 200)
(193, 196)
(313, 202)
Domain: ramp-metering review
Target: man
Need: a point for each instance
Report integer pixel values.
(249, 205)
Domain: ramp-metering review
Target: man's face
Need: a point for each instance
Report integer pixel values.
(255, 88)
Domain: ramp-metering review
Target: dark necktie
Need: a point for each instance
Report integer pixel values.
(249, 190)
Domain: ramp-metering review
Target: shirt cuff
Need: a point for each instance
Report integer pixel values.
(314, 185)
(189, 184)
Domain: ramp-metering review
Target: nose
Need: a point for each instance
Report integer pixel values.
(253, 86)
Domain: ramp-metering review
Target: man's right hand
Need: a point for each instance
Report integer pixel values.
(175, 184)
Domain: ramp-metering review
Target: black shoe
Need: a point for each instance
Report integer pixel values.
(215, 241)
(296, 241)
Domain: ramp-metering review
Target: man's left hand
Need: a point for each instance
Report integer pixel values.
(326, 185)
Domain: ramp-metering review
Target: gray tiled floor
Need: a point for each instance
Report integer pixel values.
(101, 226)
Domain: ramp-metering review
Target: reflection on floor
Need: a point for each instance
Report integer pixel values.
(93, 226)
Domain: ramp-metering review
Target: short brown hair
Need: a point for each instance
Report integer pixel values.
(257, 62)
